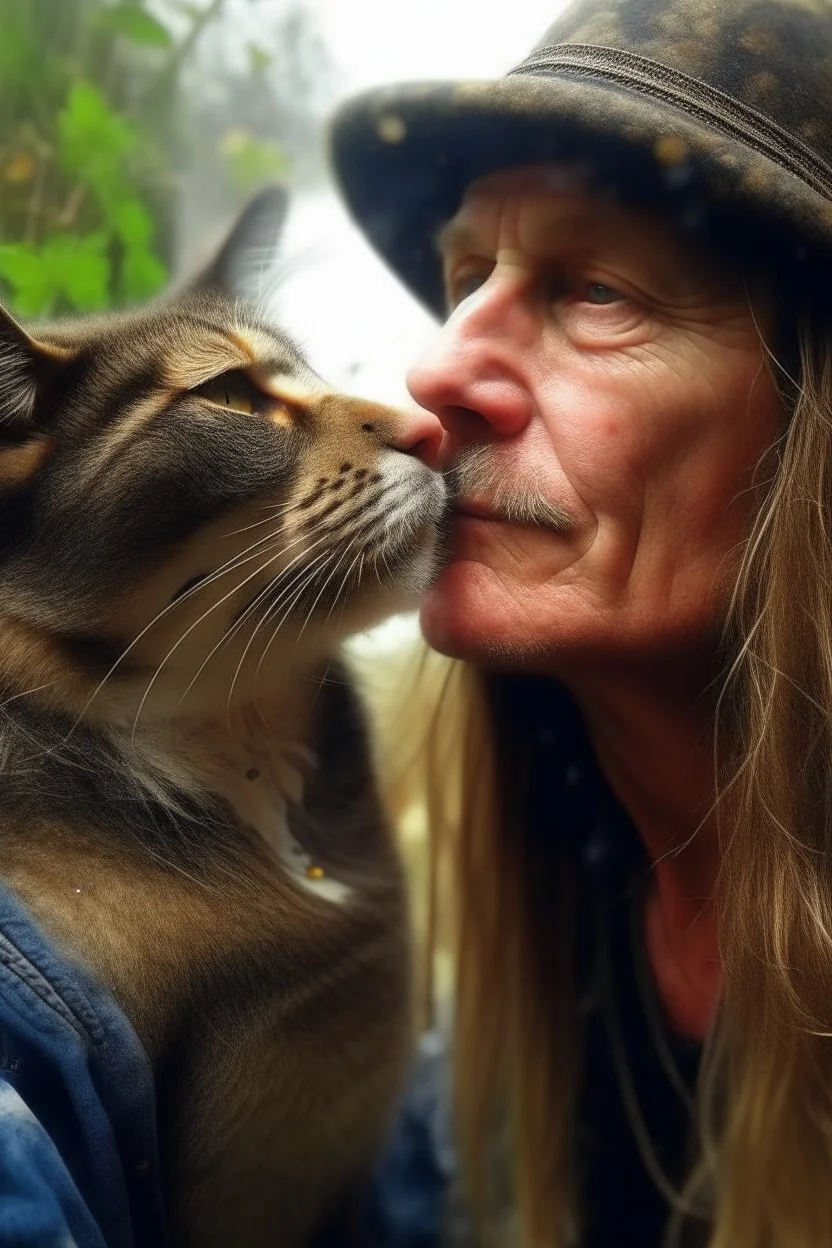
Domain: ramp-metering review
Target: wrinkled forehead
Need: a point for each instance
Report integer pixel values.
(562, 179)
(543, 210)
(543, 201)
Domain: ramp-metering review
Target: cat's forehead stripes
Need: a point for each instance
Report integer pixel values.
(189, 359)
(119, 433)
(195, 360)
(301, 393)
(277, 368)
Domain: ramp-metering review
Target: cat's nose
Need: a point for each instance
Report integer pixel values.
(417, 432)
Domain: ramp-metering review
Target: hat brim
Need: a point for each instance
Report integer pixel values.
(404, 155)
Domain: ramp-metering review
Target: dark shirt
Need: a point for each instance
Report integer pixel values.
(634, 1070)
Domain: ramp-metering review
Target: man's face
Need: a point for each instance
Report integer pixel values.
(603, 387)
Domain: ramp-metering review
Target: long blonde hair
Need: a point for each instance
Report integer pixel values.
(763, 1163)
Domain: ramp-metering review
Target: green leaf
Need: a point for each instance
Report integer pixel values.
(35, 300)
(96, 144)
(87, 112)
(132, 21)
(66, 268)
(133, 224)
(90, 132)
(142, 276)
(85, 282)
(20, 263)
(28, 274)
(79, 269)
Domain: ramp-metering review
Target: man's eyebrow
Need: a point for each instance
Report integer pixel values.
(572, 226)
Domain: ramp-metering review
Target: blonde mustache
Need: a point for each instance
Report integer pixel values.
(476, 474)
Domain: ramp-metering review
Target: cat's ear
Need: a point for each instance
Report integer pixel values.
(250, 246)
(27, 370)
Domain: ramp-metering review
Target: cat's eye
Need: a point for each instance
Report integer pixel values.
(234, 390)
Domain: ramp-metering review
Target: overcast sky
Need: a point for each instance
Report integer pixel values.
(375, 41)
(360, 329)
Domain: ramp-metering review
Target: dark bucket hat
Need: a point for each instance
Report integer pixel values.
(723, 106)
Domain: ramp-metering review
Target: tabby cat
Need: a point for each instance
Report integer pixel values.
(191, 522)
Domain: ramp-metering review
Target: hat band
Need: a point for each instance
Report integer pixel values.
(719, 111)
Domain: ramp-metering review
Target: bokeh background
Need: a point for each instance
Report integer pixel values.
(132, 130)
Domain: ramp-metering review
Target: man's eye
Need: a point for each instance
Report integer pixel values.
(465, 284)
(599, 293)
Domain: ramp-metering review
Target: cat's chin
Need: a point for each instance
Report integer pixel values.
(382, 597)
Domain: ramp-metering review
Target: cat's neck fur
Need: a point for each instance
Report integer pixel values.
(254, 754)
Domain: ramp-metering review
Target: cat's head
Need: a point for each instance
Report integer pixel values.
(181, 494)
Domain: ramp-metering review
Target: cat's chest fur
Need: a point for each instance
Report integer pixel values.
(260, 953)
(263, 775)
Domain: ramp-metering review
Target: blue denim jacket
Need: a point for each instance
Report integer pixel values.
(78, 1155)
(78, 1160)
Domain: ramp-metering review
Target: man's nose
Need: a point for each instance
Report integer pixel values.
(472, 375)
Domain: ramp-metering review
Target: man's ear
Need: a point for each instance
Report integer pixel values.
(250, 246)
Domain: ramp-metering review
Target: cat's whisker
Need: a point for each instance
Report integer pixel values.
(301, 589)
(205, 615)
(227, 636)
(272, 585)
(305, 576)
(338, 598)
(344, 582)
(282, 509)
(25, 693)
(241, 619)
(190, 629)
(355, 539)
(286, 603)
(324, 585)
(132, 645)
(231, 564)
(239, 623)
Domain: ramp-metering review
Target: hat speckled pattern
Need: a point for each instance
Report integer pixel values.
(722, 105)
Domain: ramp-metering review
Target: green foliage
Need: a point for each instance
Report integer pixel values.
(89, 114)
(132, 20)
(61, 271)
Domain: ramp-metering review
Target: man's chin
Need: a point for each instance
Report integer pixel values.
(461, 616)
